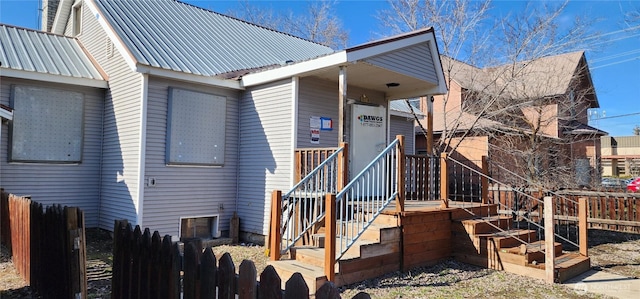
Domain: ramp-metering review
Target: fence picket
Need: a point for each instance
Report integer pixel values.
(145, 265)
(226, 277)
(191, 269)
(270, 284)
(208, 275)
(296, 287)
(155, 276)
(247, 288)
(328, 291)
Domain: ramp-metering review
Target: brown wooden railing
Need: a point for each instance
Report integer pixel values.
(307, 159)
(47, 246)
(148, 266)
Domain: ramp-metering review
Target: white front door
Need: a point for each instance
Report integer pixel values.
(368, 135)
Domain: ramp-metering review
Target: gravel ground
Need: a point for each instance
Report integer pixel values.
(610, 251)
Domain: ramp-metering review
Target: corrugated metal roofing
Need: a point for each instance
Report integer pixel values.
(401, 106)
(177, 36)
(34, 51)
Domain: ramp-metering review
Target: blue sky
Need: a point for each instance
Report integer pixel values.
(614, 64)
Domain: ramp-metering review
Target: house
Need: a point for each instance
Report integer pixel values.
(529, 118)
(620, 155)
(53, 93)
(194, 115)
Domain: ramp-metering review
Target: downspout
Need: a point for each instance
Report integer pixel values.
(238, 153)
(295, 83)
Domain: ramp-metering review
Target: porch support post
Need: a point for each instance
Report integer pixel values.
(343, 166)
(429, 102)
(330, 237)
(342, 83)
(400, 174)
(583, 226)
(276, 218)
(484, 181)
(444, 181)
(549, 240)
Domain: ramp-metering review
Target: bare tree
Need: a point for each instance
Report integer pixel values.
(500, 86)
(636, 130)
(319, 22)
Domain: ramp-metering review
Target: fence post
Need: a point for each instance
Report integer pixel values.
(330, 237)
(444, 181)
(276, 218)
(583, 226)
(549, 240)
(400, 160)
(343, 166)
(484, 181)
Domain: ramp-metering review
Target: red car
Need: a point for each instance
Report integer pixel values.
(634, 186)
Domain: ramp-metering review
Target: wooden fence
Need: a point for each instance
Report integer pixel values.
(47, 246)
(148, 266)
(615, 211)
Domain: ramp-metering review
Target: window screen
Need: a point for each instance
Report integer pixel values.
(196, 128)
(47, 125)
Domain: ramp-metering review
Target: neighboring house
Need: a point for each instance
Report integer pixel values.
(546, 98)
(202, 112)
(620, 156)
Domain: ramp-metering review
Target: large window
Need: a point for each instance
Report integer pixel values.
(47, 125)
(195, 128)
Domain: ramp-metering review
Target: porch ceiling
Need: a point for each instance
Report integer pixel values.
(368, 76)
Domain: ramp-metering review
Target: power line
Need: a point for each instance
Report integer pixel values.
(618, 116)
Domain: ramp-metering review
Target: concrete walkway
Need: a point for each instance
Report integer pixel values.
(604, 283)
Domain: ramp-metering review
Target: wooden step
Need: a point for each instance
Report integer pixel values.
(483, 225)
(473, 212)
(509, 238)
(533, 252)
(314, 276)
(570, 265)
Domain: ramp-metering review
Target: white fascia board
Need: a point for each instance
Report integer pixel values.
(412, 93)
(224, 83)
(62, 16)
(6, 114)
(296, 69)
(115, 39)
(441, 89)
(53, 78)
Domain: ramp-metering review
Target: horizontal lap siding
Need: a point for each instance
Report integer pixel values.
(415, 61)
(121, 127)
(265, 151)
(183, 191)
(70, 185)
(400, 126)
(317, 98)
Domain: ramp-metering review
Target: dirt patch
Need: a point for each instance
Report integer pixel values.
(610, 251)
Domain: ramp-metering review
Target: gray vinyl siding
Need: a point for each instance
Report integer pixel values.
(265, 151)
(317, 98)
(187, 191)
(119, 192)
(400, 126)
(415, 61)
(320, 98)
(65, 184)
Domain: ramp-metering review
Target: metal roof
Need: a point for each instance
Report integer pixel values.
(402, 107)
(34, 51)
(181, 37)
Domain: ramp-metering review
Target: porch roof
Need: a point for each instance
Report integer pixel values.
(411, 60)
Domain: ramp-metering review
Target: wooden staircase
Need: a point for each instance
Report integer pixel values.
(476, 240)
(376, 252)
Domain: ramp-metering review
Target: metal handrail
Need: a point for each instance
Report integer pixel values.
(303, 205)
(500, 204)
(365, 197)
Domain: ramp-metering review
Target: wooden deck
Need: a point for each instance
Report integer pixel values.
(427, 233)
